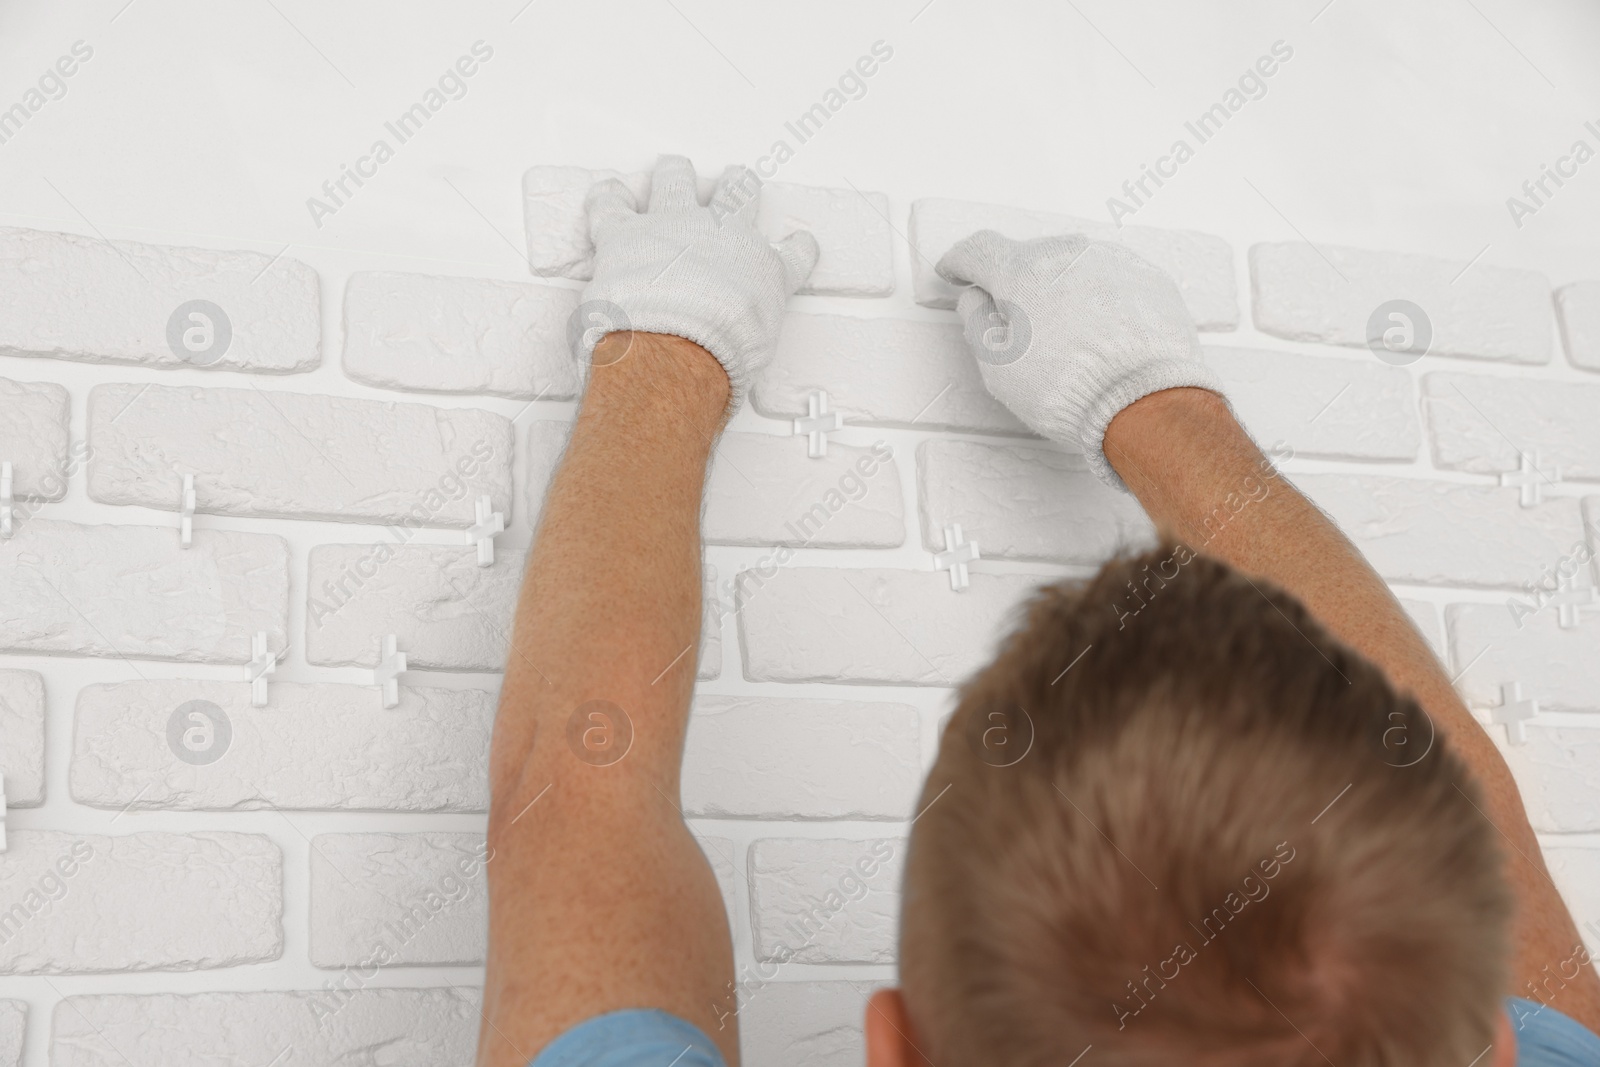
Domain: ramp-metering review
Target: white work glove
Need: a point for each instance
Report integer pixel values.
(1068, 331)
(703, 273)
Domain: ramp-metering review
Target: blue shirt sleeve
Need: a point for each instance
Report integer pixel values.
(1547, 1038)
(633, 1038)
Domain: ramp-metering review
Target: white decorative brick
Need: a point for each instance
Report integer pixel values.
(1338, 408)
(1476, 312)
(448, 613)
(1575, 870)
(1201, 264)
(22, 738)
(1558, 667)
(852, 229)
(1436, 533)
(1578, 306)
(1426, 617)
(826, 900)
(1020, 502)
(363, 1028)
(881, 372)
(85, 903)
(1484, 425)
(34, 430)
(805, 1024)
(13, 1029)
(398, 899)
(764, 489)
(131, 591)
(710, 626)
(876, 626)
(770, 758)
(323, 746)
(296, 455)
(459, 335)
(72, 297)
(1557, 769)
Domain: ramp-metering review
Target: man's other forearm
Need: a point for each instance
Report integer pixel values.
(1183, 454)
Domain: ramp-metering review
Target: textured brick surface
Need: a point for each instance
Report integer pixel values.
(761, 757)
(447, 612)
(1558, 772)
(296, 455)
(1576, 872)
(131, 591)
(827, 900)
(1326, 293)
(805, 1024)
(149, 901)
(1578, 306)
(34, 432)
(878, 626)
(1020, 502)
(1435, 533)
(1334, 408)
(398, 899)
(22, 736)
(1558, 667)
(1484, 425)
(314, 746)
(881, 372)
(74, 297)
(369, 1027)
(852, 229)
(13, 1028)
(459, 335)
(1201, 264)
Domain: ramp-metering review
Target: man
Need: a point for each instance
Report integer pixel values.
(1240, 830)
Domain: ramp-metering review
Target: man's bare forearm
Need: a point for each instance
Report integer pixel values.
(599, 897)
(1182, 453)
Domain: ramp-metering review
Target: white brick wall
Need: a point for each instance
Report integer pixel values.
(22, 732)
(83, 903)
(72, 297)
(393, 1027)
(1325, 293)
(13, 1026)
(317, 747)
(277, 866)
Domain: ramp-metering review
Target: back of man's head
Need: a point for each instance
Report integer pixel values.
(1219, 836)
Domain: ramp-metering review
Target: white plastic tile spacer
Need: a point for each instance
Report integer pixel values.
(6, 502)
(956, 555)
(1527, 477)
(1569, 600)
(186, 513)
(2, 813)
(817, 424)
(262, 663)
(490, 522)
(387, 673)
(1513, 711)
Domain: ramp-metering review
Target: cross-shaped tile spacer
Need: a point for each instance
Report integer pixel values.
(489, 522)
(1527, 477)
(1569, 600)
(1513, 711)
(817, 424)
(956, 555)
(387, 673)
(262, 663)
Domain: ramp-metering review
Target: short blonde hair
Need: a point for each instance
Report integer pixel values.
(1218, 836)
